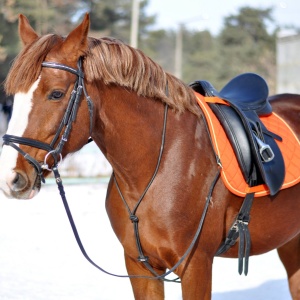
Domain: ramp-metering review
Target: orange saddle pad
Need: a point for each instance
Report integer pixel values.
(231, 173)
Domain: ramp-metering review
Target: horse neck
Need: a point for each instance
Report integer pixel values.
(128, 131)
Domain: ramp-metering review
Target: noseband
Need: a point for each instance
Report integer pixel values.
(65, 124)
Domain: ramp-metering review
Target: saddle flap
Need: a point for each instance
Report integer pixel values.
(236, 134)
(258, 154)
(273, 170)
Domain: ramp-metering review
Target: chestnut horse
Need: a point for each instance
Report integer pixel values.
(122, 108)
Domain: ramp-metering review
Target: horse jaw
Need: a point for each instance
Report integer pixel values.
(8, 160)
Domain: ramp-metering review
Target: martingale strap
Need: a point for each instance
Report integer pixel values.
(135, 220)
(145, 259)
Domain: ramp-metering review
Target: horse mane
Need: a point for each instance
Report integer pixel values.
(110, 61)
(27, 65)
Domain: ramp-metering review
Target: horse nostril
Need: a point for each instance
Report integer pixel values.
(18, 181)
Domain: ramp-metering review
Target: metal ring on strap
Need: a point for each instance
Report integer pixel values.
(45, 166)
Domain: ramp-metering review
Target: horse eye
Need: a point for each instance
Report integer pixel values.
(55, 95)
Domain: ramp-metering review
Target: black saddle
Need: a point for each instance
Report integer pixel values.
(259, 156)
(248, 91)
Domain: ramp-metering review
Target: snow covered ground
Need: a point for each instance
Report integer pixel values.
(40, 260)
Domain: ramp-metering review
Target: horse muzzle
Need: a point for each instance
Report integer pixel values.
(19, 181)
(18, 185)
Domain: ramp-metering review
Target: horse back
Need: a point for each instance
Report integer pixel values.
(287, 106)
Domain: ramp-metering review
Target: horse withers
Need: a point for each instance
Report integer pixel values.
(67, 89)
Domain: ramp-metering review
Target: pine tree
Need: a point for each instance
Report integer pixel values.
(246, 45)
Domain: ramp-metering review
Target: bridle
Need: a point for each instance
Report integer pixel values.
(66, 125)
(56, 146)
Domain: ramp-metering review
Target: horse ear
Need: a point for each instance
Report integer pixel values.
(76, 42)
(26, 32)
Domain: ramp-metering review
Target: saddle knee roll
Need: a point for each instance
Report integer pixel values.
(237, 136)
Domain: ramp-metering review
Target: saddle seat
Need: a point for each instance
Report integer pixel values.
(248, 91)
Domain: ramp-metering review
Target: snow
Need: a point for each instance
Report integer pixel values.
(39, 257)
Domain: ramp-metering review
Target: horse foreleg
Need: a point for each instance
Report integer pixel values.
(144, 289)
(196, 280)
(290, 257)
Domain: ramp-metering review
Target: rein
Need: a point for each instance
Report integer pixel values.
(66, 124)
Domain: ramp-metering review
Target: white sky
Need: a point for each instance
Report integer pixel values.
(212, 12)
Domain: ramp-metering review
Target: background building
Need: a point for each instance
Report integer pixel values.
(288, 63)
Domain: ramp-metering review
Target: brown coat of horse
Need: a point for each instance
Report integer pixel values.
(129, 97)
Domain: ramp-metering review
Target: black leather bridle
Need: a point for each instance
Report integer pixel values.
(65, 124)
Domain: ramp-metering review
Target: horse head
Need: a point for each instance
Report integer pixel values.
(47, 82)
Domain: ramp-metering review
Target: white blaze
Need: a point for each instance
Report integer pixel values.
(17, 125)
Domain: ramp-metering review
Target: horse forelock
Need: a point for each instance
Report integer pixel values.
(114, 62)
(27, 65)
